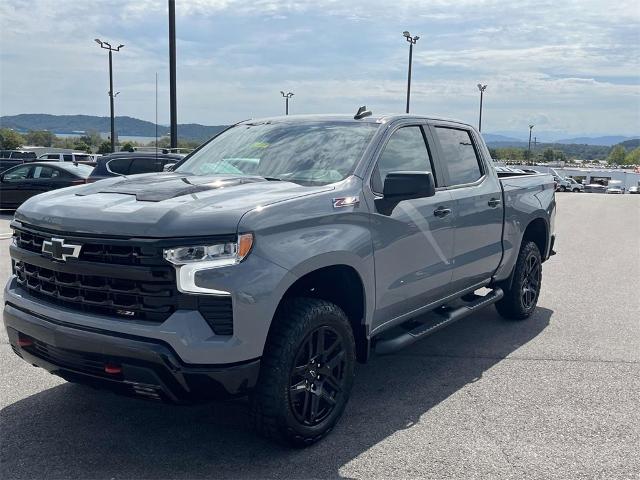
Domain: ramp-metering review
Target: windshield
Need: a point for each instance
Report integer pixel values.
(308, 153)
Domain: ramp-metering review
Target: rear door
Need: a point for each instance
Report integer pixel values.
(478, 209)
(44, 178)
(413, 245)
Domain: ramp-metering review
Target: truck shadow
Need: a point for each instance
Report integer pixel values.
(75, 432)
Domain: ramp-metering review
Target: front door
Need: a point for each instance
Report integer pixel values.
(413, 244)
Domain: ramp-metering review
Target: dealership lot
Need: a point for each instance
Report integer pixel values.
(553, 397)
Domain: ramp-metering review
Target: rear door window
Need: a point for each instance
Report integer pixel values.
(145, 165)
(68, 157)
(119, 166)
(43, 172)
(459, 156)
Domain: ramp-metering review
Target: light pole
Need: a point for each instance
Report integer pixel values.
(412, 41)
(286, 96)
(529, 150)
(173, 96)
(482, 88)
(107, 46)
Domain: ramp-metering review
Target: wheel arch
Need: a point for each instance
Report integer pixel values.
(341, 284)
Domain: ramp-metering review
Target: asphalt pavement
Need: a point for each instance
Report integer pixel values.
(556, 396)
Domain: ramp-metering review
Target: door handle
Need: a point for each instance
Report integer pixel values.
(441, 212)
(494, 202)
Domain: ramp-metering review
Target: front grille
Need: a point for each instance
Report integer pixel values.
(124, 278)
(145, 300)
(95, 251)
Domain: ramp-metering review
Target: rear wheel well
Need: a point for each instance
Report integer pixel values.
(536, 232)
(341, 285)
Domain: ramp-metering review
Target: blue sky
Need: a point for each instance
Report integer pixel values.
(570, 67)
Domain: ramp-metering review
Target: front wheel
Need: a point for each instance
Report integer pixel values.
(576, 190)
(306, 373)
(563, 189)
(521, 298)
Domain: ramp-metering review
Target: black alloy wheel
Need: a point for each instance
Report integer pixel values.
(316, 381)
(531, 282)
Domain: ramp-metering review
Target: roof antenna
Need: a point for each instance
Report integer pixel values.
(362, 113)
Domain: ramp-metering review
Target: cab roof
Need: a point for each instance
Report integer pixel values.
(382, 118)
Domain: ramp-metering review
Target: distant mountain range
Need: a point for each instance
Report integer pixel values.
(125, 126)
(129, 126)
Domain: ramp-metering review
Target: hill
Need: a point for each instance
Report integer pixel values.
(127, 126)
(606, 140)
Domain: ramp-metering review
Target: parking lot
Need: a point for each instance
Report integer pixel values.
(553, 397)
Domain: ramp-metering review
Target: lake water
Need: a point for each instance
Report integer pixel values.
(106, 135)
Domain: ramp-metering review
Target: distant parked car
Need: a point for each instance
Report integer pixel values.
(615, 189)
(595, 188)
(81, 157)
(11, 158)
(131, 163)
(22, 182)
(568, 184)
(634, 190)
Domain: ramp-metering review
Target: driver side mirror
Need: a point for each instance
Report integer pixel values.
(399, 186)
(408, 185)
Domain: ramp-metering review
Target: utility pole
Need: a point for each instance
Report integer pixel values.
(173, 103)
(107, 46)
(412, 41)
(482, 88)
(286, 96)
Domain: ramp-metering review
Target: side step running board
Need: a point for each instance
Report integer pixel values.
(435, 322)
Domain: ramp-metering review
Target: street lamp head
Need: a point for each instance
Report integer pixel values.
(416, 38)
(531, 127)
(120, 46)
(406, 34)
(481, 87)
(290, 94)
(98, 41)
(283, 94)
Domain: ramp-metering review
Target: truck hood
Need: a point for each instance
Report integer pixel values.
(158, 205)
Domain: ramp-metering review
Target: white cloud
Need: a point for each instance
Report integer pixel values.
(575, 63)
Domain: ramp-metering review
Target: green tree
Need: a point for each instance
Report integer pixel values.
(92, 138)
(633, 157)
(127, 147)
(617, 155)
(42, 138)
(548, 155)
(10, 139)
(80, 145)
(105, 147)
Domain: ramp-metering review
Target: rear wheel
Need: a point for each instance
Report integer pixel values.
(306, 374)
(563, 188)
(576, 190)
(520, 300)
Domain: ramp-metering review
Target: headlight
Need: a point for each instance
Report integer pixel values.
(191, 259)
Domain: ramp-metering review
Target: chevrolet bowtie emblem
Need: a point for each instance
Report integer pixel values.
(60, 250)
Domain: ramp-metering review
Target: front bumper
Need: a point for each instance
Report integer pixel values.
(125, 364)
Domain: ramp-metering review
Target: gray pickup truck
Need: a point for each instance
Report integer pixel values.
(272, 259)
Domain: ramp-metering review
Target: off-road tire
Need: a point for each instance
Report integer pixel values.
(514, 304)
(273, 411)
